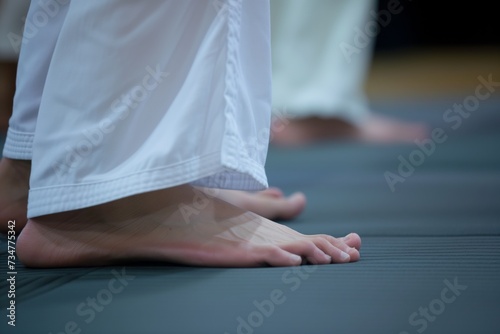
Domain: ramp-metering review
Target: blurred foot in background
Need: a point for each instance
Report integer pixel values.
(321, 58)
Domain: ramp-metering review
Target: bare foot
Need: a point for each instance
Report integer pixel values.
(270, 203)
(168, 225)
(305, 131)
(14, 187)
(375, 129)
(380, 129)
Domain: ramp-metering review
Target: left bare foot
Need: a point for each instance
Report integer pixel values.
(154, 226)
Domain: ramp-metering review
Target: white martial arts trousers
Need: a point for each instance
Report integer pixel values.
(315, 72)
(116, 98)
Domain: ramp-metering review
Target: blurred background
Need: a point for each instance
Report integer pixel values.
(431, 48)
(440, 222)
(435, 48)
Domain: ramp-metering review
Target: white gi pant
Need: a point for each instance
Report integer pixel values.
(116, 98)
(312, 76)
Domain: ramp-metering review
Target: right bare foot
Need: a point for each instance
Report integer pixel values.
(14, 188)
(170, 225)
(270, 203)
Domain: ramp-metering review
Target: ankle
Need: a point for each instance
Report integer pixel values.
(18, 170)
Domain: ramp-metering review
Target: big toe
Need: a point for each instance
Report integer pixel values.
(353, 240)
(293, 206)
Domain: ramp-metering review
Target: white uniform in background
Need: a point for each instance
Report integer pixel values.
(312, 75)
(117, 98)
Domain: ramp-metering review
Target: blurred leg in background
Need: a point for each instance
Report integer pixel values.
(12, 13)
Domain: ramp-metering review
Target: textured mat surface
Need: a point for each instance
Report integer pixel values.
(430, 258)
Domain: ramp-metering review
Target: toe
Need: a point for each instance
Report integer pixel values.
(277, 257)
(293, 206)
(352, 240)
(338, 251)
(309, 251)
